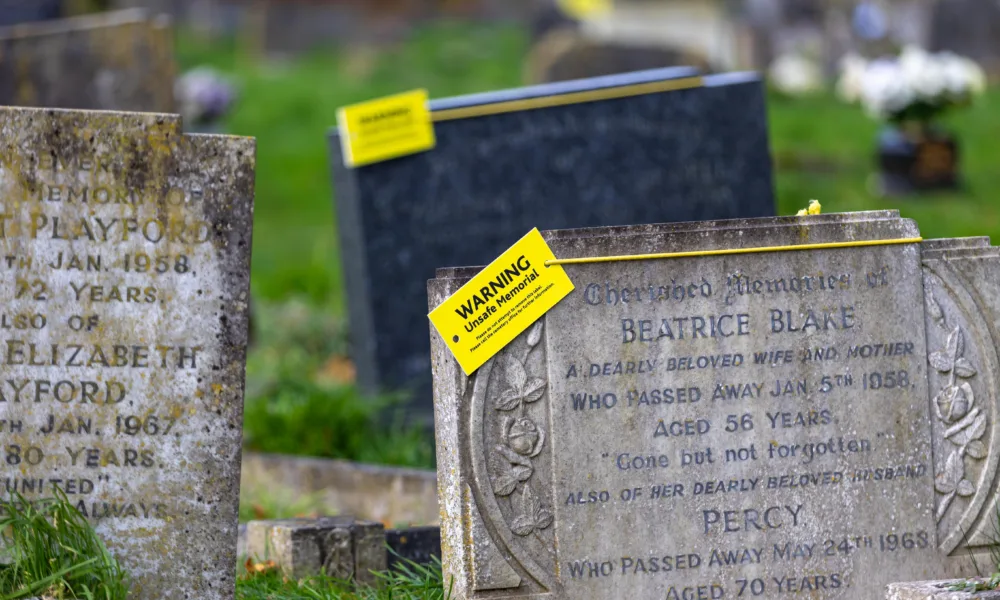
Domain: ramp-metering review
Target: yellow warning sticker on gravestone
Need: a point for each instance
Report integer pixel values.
(385, 128)
(585, 9)
(501, 301)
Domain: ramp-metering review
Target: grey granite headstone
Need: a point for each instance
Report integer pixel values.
(111, 61)
(814, 423)
(678, 155)
(127, 251)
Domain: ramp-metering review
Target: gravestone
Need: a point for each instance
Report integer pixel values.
(967, 27)
(14, 12)
(565, 54)
(798, 423)
(604, 151)
(127, 249)
(111, 61)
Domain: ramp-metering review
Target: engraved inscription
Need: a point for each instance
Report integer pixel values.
(122, 336)
(708, 431)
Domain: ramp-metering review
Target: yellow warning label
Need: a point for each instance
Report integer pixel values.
(585, 9)
(385, 128)
(501, 301)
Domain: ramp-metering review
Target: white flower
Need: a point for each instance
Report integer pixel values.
(924, 73)
(884, 90)
(888, 87)
(963, 77)
(795, 75)
(852, 75)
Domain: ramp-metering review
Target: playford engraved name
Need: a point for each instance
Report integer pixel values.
(125, 251)
(753, 425)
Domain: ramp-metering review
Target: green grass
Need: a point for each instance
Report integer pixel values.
(412, 582)
(50, 549)
(294, 407)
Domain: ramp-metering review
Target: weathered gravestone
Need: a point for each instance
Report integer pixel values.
(112, 61)
(606, 151)
(799, 423)
(127, 251)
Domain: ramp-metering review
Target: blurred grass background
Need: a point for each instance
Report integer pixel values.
(300, 397)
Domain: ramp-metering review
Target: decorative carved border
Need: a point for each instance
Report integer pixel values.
(970, 469)
(505, 470)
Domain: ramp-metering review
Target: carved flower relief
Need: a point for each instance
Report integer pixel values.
(518, 440)
(510, 464)
(507, 469)
(523, 436)
(955, 406)
(954, 402)
(532, 515)
(520, 389)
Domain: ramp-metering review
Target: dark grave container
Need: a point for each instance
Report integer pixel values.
(420, 545)
(913, 162)
(648, 147)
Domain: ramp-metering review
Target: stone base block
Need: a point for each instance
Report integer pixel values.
(341, 547)
(934, 590)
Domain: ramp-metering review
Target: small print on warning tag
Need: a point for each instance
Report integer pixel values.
(385, 128)
(503, 300)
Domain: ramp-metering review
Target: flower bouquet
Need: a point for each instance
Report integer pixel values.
(203, 98)
(909, 93)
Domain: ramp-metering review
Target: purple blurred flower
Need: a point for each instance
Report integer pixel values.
(203, 95)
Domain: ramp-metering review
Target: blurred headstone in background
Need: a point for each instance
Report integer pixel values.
(635, 34)
(970, 28)
(647, 147)
(119, 60)
(15, 12)
(295, 26)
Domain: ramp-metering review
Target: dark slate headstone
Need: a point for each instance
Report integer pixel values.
(969, 28)
(420, 545)
(681, 155)
(119, 60)
(15, 12)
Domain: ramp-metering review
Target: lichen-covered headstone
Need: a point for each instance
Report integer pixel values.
(802, 423)
(125, 248)
(119, 60)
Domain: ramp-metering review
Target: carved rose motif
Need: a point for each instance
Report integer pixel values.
(954, 402)
(524, 437)
(521, 439)
(955, 406)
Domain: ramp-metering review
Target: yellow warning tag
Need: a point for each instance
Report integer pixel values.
(585, 9)
(385, 128)
(501, 301)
